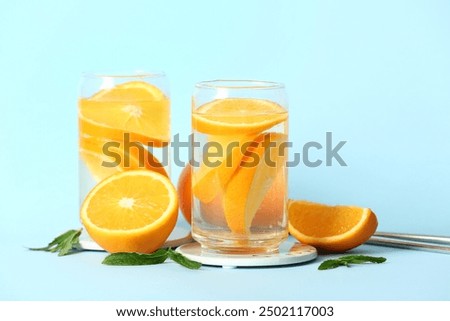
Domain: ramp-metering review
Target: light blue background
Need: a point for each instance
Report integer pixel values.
(375, 73)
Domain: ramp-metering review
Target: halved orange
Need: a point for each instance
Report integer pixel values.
(331, 228)
(249, 185)
(132, 211)
(134, 107)
(241, 116)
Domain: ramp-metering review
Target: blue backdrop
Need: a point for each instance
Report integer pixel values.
(374, 73)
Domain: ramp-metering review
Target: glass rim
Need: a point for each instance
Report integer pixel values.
(236, 84)
(119, 75)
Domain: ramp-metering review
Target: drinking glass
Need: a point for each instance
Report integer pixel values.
(124, 124)
(239, 177)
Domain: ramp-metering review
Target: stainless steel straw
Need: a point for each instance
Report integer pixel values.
(422, 242)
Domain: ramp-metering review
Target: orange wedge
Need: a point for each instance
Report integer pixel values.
(208, 180)
(270, 212)
(135, 107)
(273, 207)
(237, 116)
(251, 182)
(132, 211)
(211, 212)
(331, 228)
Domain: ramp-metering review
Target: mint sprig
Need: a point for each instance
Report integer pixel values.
(64, 244)
(182, 260)
(158, 257)
(69, 242)
(350, 259)
(129, 258)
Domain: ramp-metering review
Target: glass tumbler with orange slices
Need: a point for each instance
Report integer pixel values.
(124, 125)
(239, 177)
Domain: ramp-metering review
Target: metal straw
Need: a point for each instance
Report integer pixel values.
(422, 242)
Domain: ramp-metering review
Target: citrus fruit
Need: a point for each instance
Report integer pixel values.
(132, 211)
(331, 228)
(211, 212)
(240, 116)
(104, 157)
(249, 185)
(211, 177)
(130, 91)
(269, 213)
(94, 162)
(273, 207)
(134, 107)
(90, 128)
(184, 190)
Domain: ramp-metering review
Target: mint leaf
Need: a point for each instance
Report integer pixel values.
(124, 258)
(64, 244)
(350, 259)
(68, 242)
(359, 259)
(182, 260)
(157, 257)
(331, 264)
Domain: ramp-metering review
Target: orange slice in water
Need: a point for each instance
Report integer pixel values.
(95, 163)
(93, 129)
(237, 116)
(134, 107)
(215, 172)
(105, 157)
(331, 228)
(132, 211)
(251, 182)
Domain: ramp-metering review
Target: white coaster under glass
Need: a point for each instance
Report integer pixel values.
(290, 252)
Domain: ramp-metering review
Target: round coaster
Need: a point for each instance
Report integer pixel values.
(290, 252)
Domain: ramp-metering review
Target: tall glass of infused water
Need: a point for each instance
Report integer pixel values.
(239, 177)
(124, 124)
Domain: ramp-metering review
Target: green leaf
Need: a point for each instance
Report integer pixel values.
(123, 258)
(157, 257)
(182, 260)
(69, 242)
(64, 244)
(358, 259)
(350, 259)
(331, 264)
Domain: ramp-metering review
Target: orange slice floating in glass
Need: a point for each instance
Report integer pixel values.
(248, 187)
(105, 157)
(237, 116)
(136, 107)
